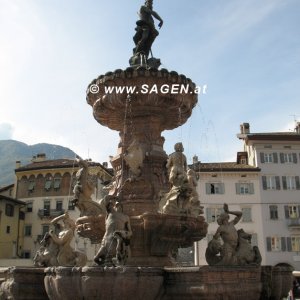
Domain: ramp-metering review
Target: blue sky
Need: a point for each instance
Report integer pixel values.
(246, 51)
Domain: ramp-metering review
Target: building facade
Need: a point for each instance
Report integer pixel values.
(46, 186)
(234, 183)
(277, 154)
(11, 224)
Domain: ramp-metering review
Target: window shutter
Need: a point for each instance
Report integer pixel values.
(298, 211)
(277, 180)
(295, 158)
(269, 247)
(289, 244)
(286, 212)
(254, 239)
(281, 158)
(209, 215)
(251, 188)
(284, 186)
(207, 187)
(264, 182)
(275, 158)
(262, 157)
(283, 244)
(237, 188)
(246, 214)
(222, 188)
(297, 182)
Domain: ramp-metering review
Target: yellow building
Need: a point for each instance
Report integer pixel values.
(46, 187)
(11, 224)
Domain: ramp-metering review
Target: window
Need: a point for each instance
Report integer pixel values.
(26, 254)
(273, 212)
(295, 240)
(47, 207)
(7, 229)
(275, 244)
(215, 188)
(9, 210)
(31, 186)
(271, 182)
(292, 211)
(71, 205)
(29, 206)
(48, 183)
(57, 183)
(268, 157)
(288, 158)
(59, 205)
(45, 229)
(247, 214)
(278, 244)
(212, 214)
(27, 230)
(290, 182)
(244, 188)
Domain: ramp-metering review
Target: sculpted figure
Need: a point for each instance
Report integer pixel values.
(83, 190)
(246, 254)
(66, 255)
(194, 203)
(82, 187)
(228, 234)
(177, 166)
(236, 248)
(46, 256)
(116, 238)
(145, 30)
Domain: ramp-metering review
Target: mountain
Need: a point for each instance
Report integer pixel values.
(12, 151)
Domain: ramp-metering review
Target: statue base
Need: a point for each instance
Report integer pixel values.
(145, 283)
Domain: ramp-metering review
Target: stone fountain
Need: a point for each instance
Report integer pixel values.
(161, 211)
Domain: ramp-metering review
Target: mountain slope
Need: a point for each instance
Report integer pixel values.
(12, 151)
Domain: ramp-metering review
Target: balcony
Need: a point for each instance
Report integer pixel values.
(50, 213)
(293, 223)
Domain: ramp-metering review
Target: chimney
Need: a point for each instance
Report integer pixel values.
(18, 164)
(245, 128)
(39, 157)
(195, 159)
(297, 129)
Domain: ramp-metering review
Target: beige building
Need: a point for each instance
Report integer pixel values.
(46, 186)
(11, 224)
(277, 154)
(234, 183)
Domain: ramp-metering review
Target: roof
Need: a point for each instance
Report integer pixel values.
(271, 136)
(57, 164)
(223, 167)
(7, 187)
(12, 200)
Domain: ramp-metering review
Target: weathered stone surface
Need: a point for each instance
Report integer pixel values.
(145, 283)
(23, 284)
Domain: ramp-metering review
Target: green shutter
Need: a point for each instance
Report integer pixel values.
(283, 244)
(277, 180)
(264, 182)
(262, 157)
(284, 185)
(269, 246)
(207, 187)
(237, 188)
(275, 158)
